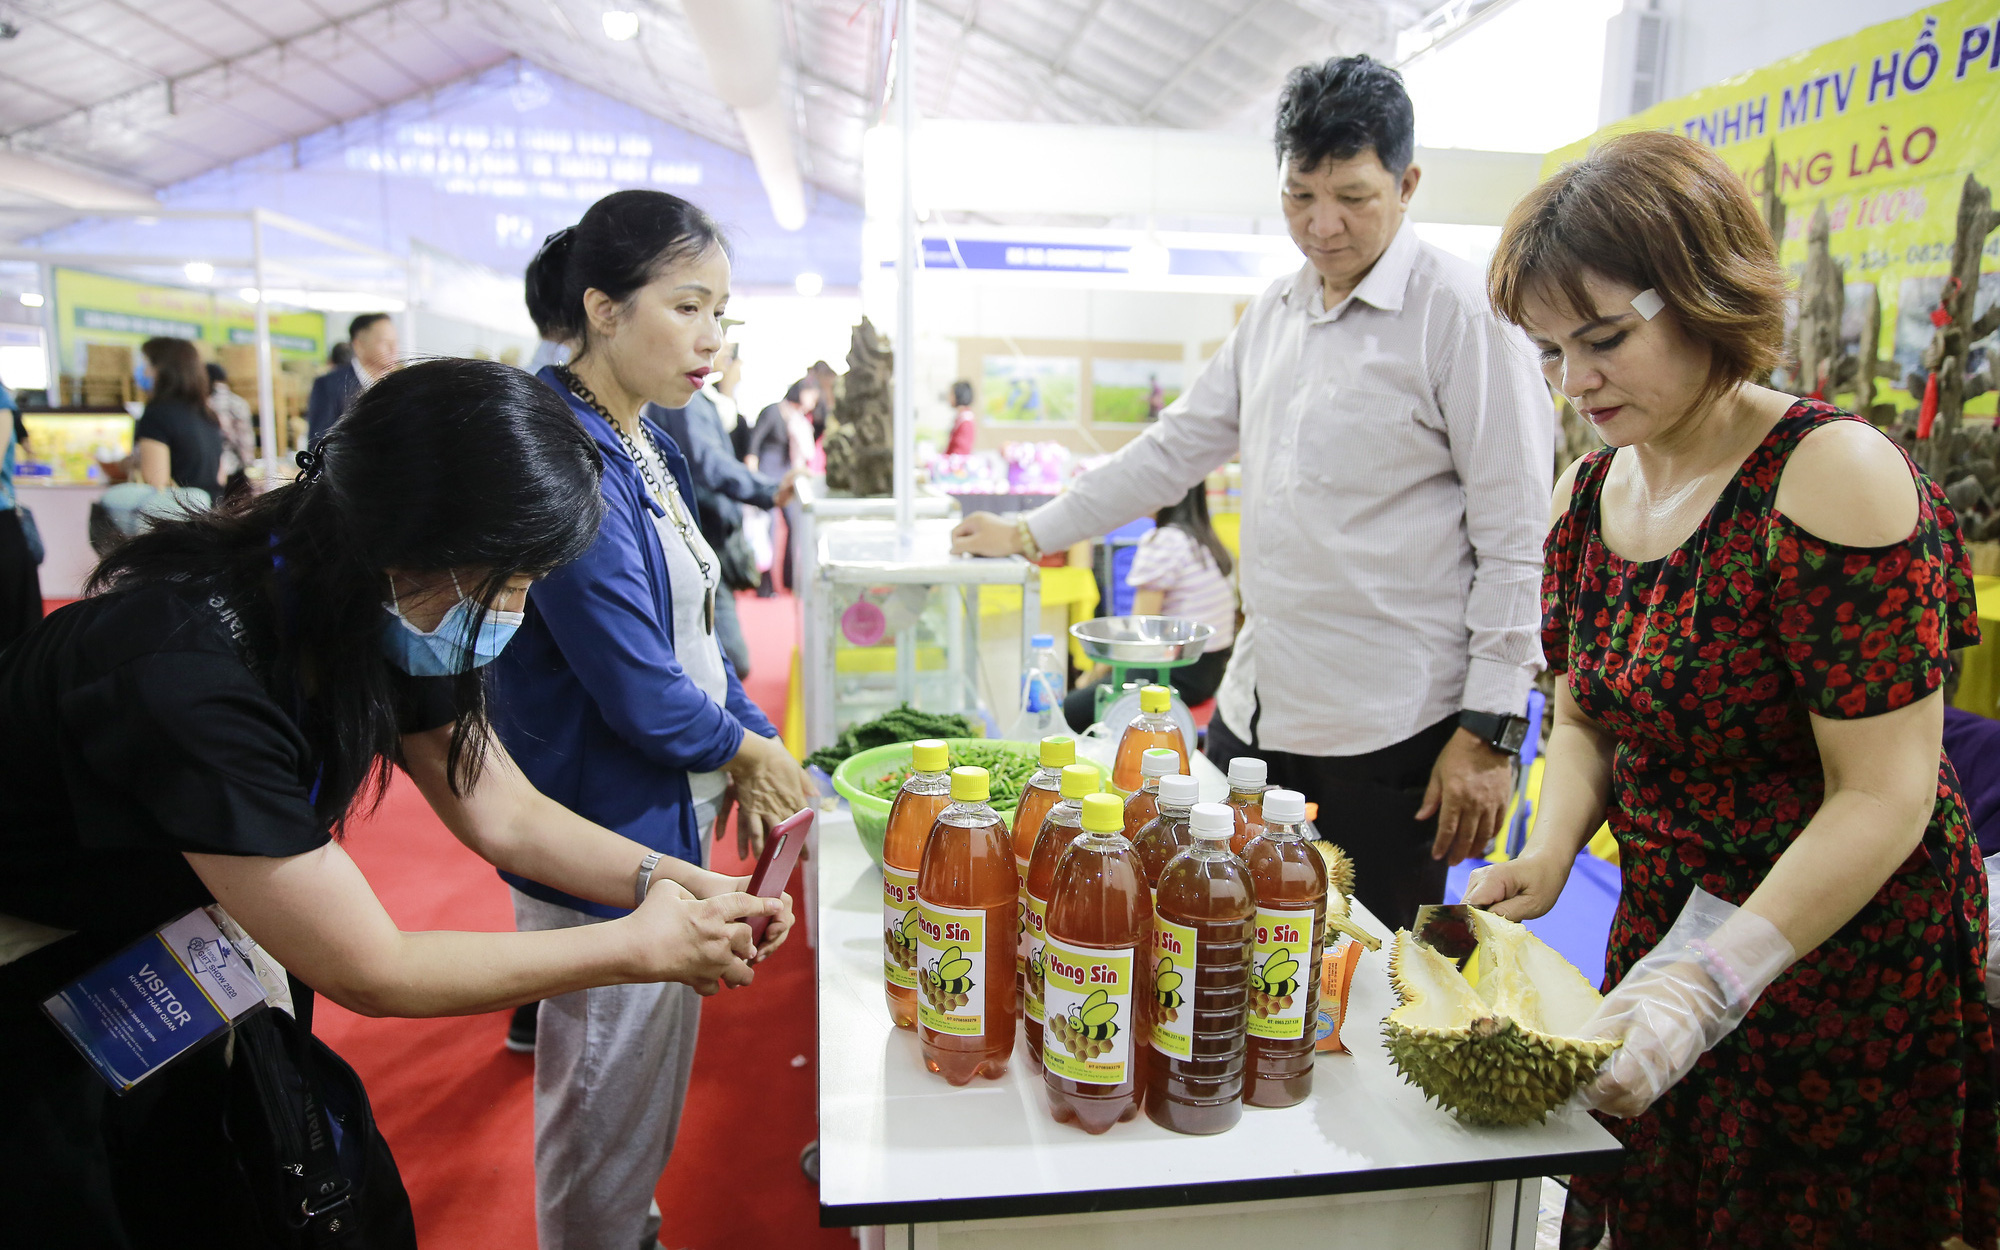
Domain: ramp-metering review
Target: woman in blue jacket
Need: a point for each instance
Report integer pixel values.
(615, 698)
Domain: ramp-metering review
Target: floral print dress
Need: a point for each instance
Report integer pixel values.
(1855, 1104)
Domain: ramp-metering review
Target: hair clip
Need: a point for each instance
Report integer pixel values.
(311, 464)
(1648, 303)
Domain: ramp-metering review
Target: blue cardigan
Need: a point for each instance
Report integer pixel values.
(588, 697)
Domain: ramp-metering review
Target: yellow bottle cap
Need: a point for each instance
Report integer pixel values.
(969, 785)
(1153, 699)
(1103, 813)
(929, 755)
(1058, 751)
(1079, 780)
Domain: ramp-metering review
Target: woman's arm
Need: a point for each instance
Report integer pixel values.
(1148, 602)
(513, 826)
(155, 463)
(317, 916)
(1576, 786)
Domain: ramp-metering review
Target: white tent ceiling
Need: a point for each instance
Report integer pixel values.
(145, 93)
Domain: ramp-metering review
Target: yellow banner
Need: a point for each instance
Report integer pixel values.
(98, 308)
(1880, 127)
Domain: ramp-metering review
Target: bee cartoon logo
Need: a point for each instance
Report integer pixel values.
(1035, 973)
(948, 983)
(1167, 990)
(1089, 1027)
(1273, 985)
(901, 940)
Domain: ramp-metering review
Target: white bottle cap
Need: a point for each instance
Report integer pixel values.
(1159, 762)
(1246, 773)
(1213, 822)
(1180, 791)
(1284, 807)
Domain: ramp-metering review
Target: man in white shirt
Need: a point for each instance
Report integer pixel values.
(1396, 441)
(371, 337)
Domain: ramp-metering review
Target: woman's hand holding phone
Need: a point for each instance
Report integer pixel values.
(702, 942)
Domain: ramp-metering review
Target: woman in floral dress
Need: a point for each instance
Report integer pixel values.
(1753, 599)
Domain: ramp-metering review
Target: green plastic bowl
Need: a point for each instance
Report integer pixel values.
(871, 815)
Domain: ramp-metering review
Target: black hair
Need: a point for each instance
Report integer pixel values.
(796, 391)
(361, 323)
(1342, 107)
(216, 373)
(961, 394)
(178, 375)
(621, 244)
(340, 355)
(540, 311)
(521, 498)
(1191, 514)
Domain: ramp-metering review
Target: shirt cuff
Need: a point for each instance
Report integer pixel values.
(1054, 526)
(1491, 686)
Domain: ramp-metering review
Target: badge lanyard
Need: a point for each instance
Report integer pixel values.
(668, 499)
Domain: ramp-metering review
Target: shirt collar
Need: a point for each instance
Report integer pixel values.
(359, 372)
(1383, 288)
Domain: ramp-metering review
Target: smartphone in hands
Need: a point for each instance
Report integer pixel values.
(774, 867)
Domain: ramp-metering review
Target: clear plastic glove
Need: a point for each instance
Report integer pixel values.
(1686, 995)
(1993, 930)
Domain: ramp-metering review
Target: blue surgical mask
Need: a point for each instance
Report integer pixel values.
(443, 651)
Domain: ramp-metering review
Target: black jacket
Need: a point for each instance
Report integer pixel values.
(721, 482)
(333, 394)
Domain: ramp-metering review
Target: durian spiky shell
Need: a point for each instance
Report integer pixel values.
(1484, 1068)
(1339, 868)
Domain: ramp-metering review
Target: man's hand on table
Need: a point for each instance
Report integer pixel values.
(1468, 792)
(985, 534)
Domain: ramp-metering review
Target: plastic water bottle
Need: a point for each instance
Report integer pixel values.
(1042, 685)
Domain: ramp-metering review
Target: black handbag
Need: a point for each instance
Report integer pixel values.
(31, 533)
(738, 562)
(319, 1173)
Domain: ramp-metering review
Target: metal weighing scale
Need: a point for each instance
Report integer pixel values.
(1155, 644)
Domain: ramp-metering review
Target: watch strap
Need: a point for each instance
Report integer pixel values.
(644, 881)
(1490, 728)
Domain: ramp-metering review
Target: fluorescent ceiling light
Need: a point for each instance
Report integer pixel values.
(1148, 259)
(809, 284)
(31, 299)
(620, 24)
(199, 271)
(247, 294)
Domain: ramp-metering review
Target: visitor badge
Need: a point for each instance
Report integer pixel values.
(157, 1000)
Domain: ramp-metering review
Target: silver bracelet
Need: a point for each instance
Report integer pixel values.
(645, 881)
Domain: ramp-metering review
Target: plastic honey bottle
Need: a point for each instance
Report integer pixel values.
(1144, 804)
(1152, 727)
(1246, 799)
(1290, 880)
(1167, 834)
(1203, 912)
(967, 891)
(1043, 791)
(1097, 974)
(925, 793)
(1062, 826)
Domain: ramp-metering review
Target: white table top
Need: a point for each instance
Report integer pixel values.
(898, 1144)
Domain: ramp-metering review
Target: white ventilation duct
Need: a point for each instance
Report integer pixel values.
(741, 42)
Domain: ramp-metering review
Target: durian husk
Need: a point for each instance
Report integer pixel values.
(1505, 1052)
(1340, 896)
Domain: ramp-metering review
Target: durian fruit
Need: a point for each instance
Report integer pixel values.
(1506, 1051)
(1340, 896)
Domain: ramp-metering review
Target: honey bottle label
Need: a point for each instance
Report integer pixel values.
(1087, 1003)
(899, 927)
(1021, 923)
(951, 970)
(1173, 988)
(1283, 957)
(1035, 916)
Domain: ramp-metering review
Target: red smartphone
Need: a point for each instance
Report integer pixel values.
(774, 867)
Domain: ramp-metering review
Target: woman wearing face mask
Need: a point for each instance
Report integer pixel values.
(617, 701)
(198, 729)
(1751, 599)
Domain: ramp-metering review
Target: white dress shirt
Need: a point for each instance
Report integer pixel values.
(1397, 452)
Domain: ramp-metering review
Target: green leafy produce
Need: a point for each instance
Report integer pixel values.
(901, 724)
(1007, 768)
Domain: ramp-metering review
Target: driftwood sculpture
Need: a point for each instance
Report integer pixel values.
(1945, 380)
(861, 448)
(1825, 364)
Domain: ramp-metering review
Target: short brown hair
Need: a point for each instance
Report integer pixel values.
(1654, 211)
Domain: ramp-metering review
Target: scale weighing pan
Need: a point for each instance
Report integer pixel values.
(1142, 641)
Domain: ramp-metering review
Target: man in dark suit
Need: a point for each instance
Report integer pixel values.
(372, 337)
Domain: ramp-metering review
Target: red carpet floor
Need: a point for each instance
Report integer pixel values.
(458, 1109)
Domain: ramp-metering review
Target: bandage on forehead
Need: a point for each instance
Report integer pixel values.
(1648, 303)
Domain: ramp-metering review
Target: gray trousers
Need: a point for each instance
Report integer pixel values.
(611, 1077)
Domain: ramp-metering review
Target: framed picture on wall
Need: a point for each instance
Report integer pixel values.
(1031, 389)
(1132, 390)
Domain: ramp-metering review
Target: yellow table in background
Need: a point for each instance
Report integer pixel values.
(1979, 680)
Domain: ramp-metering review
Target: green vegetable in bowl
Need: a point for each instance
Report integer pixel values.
(900, 724)
(1008, 770)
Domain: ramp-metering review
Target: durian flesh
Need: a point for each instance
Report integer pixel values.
(1506, 1051)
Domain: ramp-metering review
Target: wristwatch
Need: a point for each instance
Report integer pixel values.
(1502, 732)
